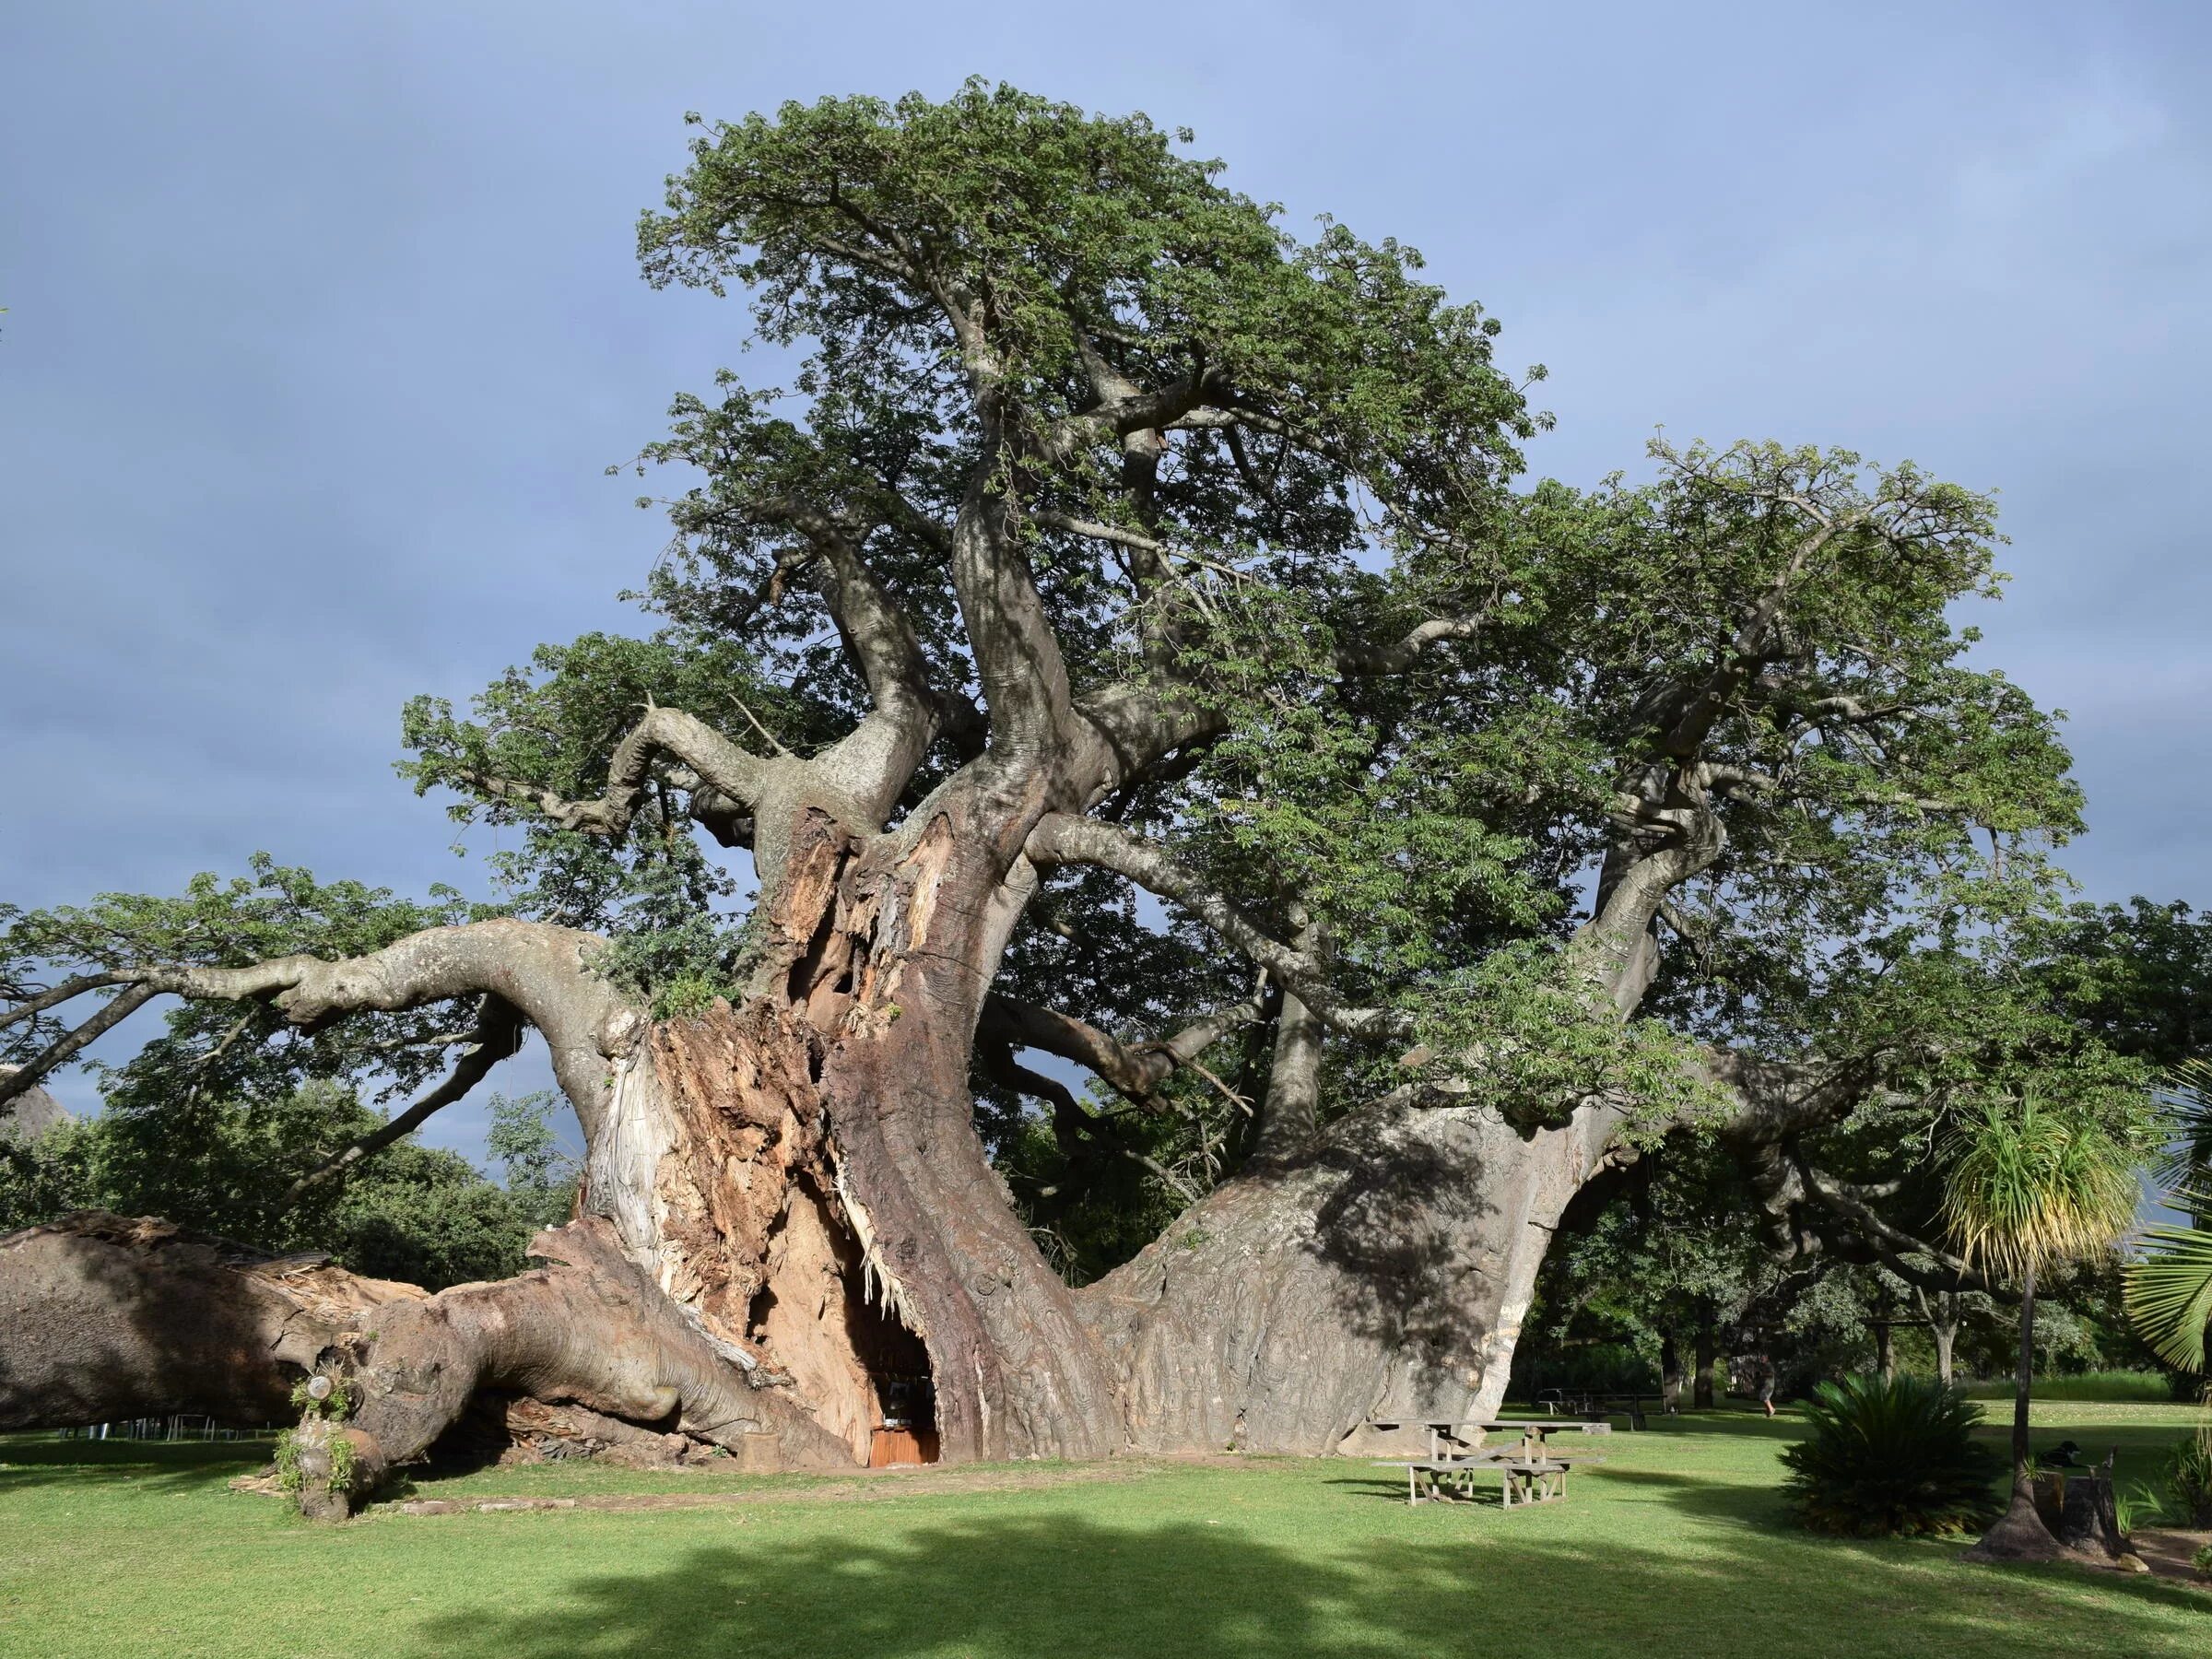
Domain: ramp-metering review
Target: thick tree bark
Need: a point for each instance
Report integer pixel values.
(791, 1190)
(1382, 1278)
(586, 1328)
(1702, 1388)
(107, 1318)
(830, 1116)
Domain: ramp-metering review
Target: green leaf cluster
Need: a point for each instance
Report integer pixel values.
(1889, 1459)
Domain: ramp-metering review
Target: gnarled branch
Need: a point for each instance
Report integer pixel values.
(542, 972)
(731, 772)
(498, 1034)
(1136, 1071)
(1061, 837)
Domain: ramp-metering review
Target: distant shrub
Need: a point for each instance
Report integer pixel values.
(2189, 1481)
(1889, 1457)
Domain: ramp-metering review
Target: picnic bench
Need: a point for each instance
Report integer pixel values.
(1599, 1404)
(1529, 1470)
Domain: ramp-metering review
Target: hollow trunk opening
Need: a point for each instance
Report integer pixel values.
(825, 1320)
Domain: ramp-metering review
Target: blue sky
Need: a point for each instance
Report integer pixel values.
(324, 324)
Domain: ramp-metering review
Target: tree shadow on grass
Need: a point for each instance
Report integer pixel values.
(1034, 1585)
(164, 1465)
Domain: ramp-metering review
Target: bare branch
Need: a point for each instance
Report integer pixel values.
(1398, 656)
(120, 1007)
(1060, 838)
(498, 1034)
(39, 1002)
(706, 754)
(1850, 1203)
(542, 972)
(1132, 411)
(1134, 1071)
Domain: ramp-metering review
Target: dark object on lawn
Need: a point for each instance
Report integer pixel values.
(1888, 1457)
(2060, 1456)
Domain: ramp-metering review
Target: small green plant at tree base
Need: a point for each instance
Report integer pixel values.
(2202, 1561)
(1889, 1457)
(291, 1476)
(327, 1405)
(2130, 1507)
(341, 1461)
(289, 1473)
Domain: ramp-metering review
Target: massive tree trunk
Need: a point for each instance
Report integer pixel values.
(801, 1171)
(106, 1318)
(799, 1179)
(1382, 1278)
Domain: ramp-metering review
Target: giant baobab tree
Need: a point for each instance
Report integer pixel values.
(1124, 648)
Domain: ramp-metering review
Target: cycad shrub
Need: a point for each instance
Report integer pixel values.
(1890, 1458)
(2189, 1481)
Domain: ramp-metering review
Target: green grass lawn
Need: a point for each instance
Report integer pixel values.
(2147, 1387)
(1678, 1546)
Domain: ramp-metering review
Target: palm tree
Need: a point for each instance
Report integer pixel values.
(2169, 1291)
(2031, 1186)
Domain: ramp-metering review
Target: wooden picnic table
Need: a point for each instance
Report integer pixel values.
(1531, 1473)
(1443, 1434)
(1601, 1403)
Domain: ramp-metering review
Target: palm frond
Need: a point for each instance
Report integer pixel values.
(2169, 1290)
(2186, 1109)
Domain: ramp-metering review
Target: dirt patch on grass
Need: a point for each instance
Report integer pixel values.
(2168, 1553)
(872, 1485)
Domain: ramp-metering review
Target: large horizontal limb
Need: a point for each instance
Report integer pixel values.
(588, 1326)
(542, 972)
(104, 1317)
